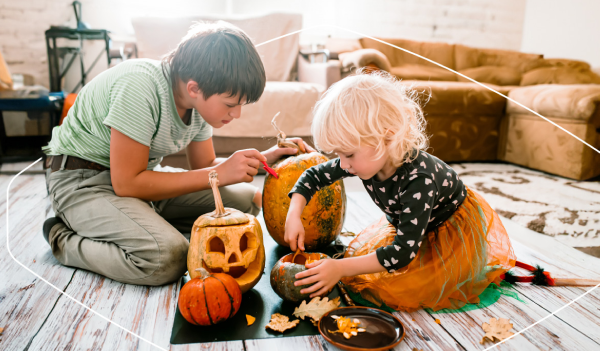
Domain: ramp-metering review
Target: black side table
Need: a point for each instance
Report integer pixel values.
(55, 53)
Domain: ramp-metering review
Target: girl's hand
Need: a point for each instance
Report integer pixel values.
(275, 153)
(294, 231)
(324, 273)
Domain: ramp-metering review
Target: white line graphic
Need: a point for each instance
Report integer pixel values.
(266, 42)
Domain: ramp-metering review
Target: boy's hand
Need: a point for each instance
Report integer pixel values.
(275, 153)
(294, 231)
(324, 273)
(240, 167)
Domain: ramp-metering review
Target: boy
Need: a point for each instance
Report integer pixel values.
(115, 215)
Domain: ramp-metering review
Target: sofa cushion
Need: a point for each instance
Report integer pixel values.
(499, 75)
(451, 98)
(441, 53)
(421, 72)
(532, 142)
(468, 57)
(557, 62)
(576, 102)
(294, 100)
(560, 75)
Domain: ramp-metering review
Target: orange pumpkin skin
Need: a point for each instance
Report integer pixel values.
(210, 299)
(322, 217)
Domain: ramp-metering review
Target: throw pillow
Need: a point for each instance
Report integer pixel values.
(560, 75)
(499, 75)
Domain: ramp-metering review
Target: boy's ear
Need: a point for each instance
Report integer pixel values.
(193, 89)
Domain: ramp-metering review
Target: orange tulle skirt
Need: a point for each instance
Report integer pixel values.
(454, 265)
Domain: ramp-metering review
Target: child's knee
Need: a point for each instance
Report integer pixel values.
(172, 263)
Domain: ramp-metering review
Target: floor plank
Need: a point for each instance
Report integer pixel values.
(215, 346)
(582, 315)
(25, 300)
(145, 310)
(300, 343)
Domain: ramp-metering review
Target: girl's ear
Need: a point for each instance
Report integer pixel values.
(389, 136)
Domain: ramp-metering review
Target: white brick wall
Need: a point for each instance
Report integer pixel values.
(482, 23)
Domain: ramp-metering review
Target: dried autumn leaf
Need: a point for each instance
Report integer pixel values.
(316, 308)
(250, 319)
(497, 329)
(281, 323)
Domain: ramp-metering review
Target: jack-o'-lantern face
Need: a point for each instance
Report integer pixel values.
(236, 250)
(230, 251)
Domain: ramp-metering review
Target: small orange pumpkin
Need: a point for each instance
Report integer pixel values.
(210, 298)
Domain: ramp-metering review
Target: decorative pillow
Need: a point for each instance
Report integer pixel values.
(422, 72)
(560, 75)
(499, 75)
(576, 64)
(363, 57)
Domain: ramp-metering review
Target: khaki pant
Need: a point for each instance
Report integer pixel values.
(127, 239)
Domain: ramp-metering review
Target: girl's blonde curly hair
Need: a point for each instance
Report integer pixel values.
(371, 109)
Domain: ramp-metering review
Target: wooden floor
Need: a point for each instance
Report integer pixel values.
(35, 316)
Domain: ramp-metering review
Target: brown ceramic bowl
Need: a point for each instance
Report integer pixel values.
(383, 330)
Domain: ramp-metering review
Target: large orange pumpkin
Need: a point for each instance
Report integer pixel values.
(210, 298)
(322, 217)
(227, 241)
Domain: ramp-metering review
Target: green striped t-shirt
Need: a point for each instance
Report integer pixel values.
(136, 99)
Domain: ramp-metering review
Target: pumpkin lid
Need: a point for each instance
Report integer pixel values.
(221, 216)
(233, 217)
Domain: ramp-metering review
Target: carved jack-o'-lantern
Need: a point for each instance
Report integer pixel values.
(227, 241)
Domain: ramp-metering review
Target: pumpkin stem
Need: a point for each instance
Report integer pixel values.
(281, 137)
(213, 180)
(203, 273)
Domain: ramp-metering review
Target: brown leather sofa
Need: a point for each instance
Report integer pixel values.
(468, 122)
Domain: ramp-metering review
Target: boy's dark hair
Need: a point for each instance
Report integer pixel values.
(221, 59)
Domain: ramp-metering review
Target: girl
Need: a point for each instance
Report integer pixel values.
(446, 244)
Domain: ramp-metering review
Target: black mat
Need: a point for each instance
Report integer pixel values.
(260, 302)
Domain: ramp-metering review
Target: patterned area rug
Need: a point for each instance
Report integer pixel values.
(565, 209)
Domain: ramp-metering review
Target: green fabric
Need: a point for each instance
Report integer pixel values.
(488, 297)
(362, 302)
(134, 98)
